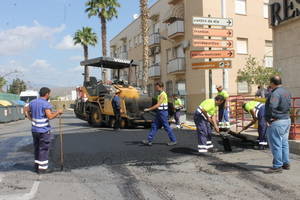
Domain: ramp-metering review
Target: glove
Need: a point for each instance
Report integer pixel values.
(147, 110)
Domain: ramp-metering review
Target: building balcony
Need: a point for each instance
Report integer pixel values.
(154, 71)
(154, 40)
(176, 65)
(176, 29)
(123, 55)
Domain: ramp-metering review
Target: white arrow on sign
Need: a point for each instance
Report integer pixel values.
(212, 21)
(224, 64)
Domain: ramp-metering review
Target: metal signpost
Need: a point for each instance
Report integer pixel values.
(213, 54)
(212, 32)
(212, 43)
(222, 45)
(213, 65)
(209, 21)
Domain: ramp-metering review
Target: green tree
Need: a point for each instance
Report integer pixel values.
(2, 83)
(255, 74)
(106, 10)
(145, 30)
(3, 80)
(85, 37)
(17, 86)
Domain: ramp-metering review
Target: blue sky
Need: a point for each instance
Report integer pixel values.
(36, 38)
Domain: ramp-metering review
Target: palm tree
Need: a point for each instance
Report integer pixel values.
(145, 30)
(105, 10)
(85, 37)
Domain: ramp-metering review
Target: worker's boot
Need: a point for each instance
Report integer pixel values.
(274, 170)
(36, 168)
(147, 143)
(286, 166)
(172, 143)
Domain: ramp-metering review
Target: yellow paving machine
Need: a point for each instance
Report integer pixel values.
(94, 98)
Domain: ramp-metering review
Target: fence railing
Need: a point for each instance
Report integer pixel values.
(239, 118)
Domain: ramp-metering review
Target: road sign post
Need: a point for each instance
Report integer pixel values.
(212, 32)
(212, 21)
(213, 43)
(210, 54)
(213, 54)
(213, 65)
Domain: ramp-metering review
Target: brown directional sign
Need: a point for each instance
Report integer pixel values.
(212, 32)
(213, 54)
(213, 43)
(226, 64)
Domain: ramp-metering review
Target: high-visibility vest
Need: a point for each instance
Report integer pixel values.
(164, 104)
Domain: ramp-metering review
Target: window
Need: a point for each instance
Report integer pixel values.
(268, 57)
(130, 44)
(157, 59)
(242, 46)
(169, 55)
(266, 10)
(180, 90)
(150, 90)
(240, 7)
(243, 87)
(155, 28)
(169, 88)
(179, 53)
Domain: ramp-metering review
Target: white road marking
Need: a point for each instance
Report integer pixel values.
(26, 196)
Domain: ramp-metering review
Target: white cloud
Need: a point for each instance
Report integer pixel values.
(40, 64)
(67, 43)
(76, 58)
(15, 41)
(77, 69)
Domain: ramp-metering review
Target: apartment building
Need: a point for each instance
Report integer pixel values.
(286, 33)
(171, 39)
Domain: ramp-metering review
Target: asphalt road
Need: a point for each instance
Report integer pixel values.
(103, 164)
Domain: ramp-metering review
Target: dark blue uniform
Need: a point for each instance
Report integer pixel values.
(40, 131)
(116, 104)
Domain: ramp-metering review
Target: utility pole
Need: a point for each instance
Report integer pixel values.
(225, 71)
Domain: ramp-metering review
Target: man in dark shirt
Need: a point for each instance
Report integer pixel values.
(39, 112)
(278, 117)
(116, 105)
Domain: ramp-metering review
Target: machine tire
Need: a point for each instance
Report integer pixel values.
(112, 123)
(95, 116)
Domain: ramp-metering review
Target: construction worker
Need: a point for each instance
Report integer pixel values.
(178, 106)
(116, 105)
(223, 108)
(204, 118)
(161, 118)
(257, 111)
(40, 112)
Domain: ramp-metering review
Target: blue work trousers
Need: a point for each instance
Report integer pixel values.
(262, 126)
(161, 120)
(177, 117)
(204, 129)
(278, 136)
(223, 113)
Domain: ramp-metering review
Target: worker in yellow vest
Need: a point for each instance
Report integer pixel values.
(161, 119)
(178, 106)
(223, 108)
(204, 118)
(257, 111)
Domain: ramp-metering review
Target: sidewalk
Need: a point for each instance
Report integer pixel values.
(250, 134)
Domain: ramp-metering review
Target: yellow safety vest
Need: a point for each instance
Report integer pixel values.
(164, 104)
